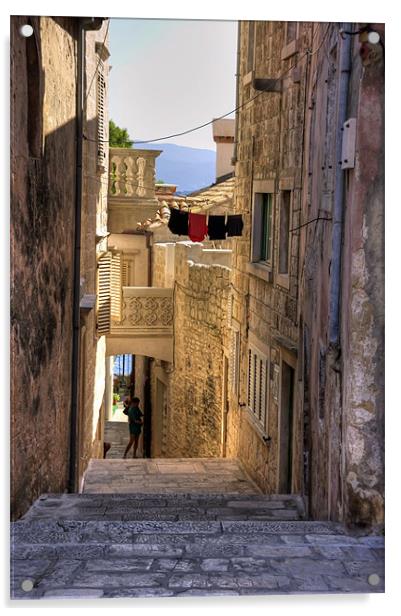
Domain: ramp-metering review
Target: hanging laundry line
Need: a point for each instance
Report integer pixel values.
(198, 226)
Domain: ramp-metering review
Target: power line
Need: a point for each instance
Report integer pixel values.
(305, 224)
(200, 126)
(195, 128)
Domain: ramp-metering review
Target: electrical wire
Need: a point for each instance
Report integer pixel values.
(305, 224)
(308, 52)
(191, 130)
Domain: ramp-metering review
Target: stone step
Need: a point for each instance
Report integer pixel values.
(116, 559)
(168, 507)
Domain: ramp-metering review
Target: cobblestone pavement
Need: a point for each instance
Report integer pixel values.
(164, 475)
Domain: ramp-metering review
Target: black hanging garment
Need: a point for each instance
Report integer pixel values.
(178, 223)
(234, 225)
(217, 227)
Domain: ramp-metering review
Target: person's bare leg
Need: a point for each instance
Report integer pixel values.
(131, 440)
(136, 441)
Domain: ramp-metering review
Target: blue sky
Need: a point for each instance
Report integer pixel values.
(170, 75)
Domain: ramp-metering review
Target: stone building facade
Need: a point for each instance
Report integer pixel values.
(44, 103)
(306, 406)
(93, 245)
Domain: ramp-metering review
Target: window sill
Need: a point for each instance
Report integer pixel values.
(260, 270)
(283, 280)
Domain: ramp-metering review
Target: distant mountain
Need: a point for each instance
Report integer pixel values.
(189, 168)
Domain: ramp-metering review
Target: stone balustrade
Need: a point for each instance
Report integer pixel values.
(132, 173)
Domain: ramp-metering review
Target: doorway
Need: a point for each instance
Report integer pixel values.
(286, 428)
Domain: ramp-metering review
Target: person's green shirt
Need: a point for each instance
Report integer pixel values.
(134, 414)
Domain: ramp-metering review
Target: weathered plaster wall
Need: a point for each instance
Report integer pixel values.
(343, 383)
(363, 295)
(42, 232)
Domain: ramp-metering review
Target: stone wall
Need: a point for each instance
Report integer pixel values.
(94, 223)
(269, 159)
(43, 151)
(42, 241)
(363, 295)
(187, 395)
(287, 141)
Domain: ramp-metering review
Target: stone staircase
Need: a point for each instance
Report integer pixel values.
(177, 544)
(166, 507)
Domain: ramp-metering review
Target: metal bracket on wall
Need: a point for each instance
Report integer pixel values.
(348, 145)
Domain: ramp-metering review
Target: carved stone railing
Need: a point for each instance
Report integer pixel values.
(147, 308)
(132, 173)
(146, 327)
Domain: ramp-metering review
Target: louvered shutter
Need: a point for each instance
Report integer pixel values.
(101, 128)
(254, 380)
(104, 294)
(125, 273)
(115, 287)
(234, 360)
(263, 391)
(250, 383)
(229, 309)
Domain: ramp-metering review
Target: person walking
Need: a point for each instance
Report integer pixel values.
(135, 423)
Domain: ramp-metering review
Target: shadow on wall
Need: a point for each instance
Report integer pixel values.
(43, 180)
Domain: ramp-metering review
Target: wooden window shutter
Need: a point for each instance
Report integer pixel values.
(115, 288)
(250, 382)
(125, 271)
(101, 127)
(234, 361)
(263, 390)
(229, 309)
(104, 294)
(254, 380)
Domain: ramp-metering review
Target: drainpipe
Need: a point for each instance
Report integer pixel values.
(339, 200)
(234, 158)
(85, 23)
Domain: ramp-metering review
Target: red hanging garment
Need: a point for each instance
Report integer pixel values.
(197, 228)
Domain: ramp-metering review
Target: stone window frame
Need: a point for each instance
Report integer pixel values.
(285, 185)
(259, 418)
(291, 48)
(256, 267)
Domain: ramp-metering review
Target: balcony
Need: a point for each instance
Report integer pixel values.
(146, 326)
(131, 193)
